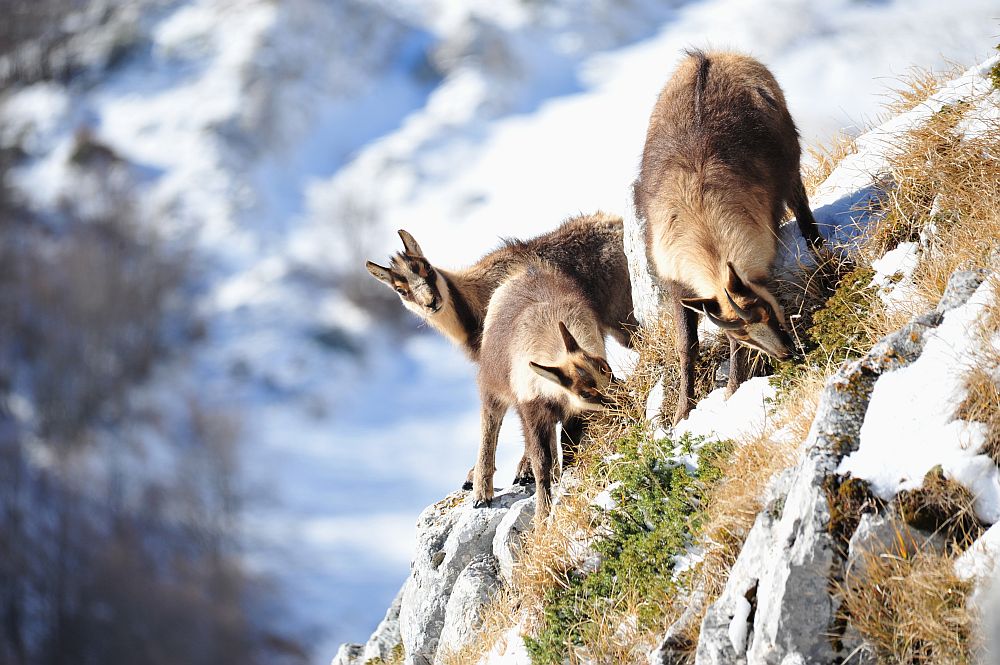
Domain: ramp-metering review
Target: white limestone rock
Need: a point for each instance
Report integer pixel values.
(510, 532)
(386, 636)
(463, 613)
(451, 534)
(646, 293)
(349, 654)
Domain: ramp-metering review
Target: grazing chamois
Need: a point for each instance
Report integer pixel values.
(587, 248)
(720, 163)
(542, 353)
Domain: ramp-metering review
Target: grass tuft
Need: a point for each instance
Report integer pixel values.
(910, 606)
(943, 507)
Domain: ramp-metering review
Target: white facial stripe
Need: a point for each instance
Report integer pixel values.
(764, 339)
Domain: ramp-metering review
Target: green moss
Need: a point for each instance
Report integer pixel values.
(658, 512)
(838, 329)
(847, 499)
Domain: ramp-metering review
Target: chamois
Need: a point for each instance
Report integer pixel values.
(542, 353)
(588, 248)
(719, 165)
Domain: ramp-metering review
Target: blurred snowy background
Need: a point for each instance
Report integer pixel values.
(216, 429)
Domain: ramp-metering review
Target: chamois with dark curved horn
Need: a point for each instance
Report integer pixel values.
(587, 248)
(542, 353)
(719, 166)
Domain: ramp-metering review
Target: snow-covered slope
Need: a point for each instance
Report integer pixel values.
(284, 142)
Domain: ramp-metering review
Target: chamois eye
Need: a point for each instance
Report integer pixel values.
(400, 291)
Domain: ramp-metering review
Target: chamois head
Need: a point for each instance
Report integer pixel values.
(750, 314)
(413, 278)
(584, 376)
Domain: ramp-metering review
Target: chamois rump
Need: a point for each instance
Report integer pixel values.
(542, 353)
(587, 248)
(719, 165)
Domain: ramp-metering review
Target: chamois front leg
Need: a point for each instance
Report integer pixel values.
(572, 435)
(482, 479)
(538, 420)
(686, 323)
(739, 366)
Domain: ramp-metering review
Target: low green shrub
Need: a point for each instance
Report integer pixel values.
(658, 511)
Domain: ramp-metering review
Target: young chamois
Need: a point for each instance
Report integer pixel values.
(587, 248)
(720, 163)
(542, 353)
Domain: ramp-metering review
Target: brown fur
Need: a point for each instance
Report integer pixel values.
(587, 248)
(720, 163)
(542, 353)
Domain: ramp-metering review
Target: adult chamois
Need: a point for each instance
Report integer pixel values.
(587, 248)
(542, 353)
(719, 165)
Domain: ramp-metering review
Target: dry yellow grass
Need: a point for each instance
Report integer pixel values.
(947, 185)
(909, 605)
(823, 159)
(916, 86)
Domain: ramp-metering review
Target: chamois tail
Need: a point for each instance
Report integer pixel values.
(699, 83)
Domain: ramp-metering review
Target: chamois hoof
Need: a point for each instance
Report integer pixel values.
(467, 485)
(524, 481)
(482, 503)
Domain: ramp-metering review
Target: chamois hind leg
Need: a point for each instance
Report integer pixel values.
(523, 476)
(686, 323)
(538, 420)
(571, 437)
(739, 366)
(799, 203)
(482, 478)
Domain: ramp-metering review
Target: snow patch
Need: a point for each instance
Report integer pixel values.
(910, 426)
(738, 626)
(509, 650)
(742, 416)
(894, 277)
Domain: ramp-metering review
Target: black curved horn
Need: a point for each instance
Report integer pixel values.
(725, 325)
(740, 312)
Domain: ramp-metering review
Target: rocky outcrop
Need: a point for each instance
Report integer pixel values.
(646, 293)
(461, 555)
(777, 606)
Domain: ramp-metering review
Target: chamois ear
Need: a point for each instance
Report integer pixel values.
(383, 275)
(702, 305)
(734, 284)
(568, 340)
(409, 244)
(553, 374)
